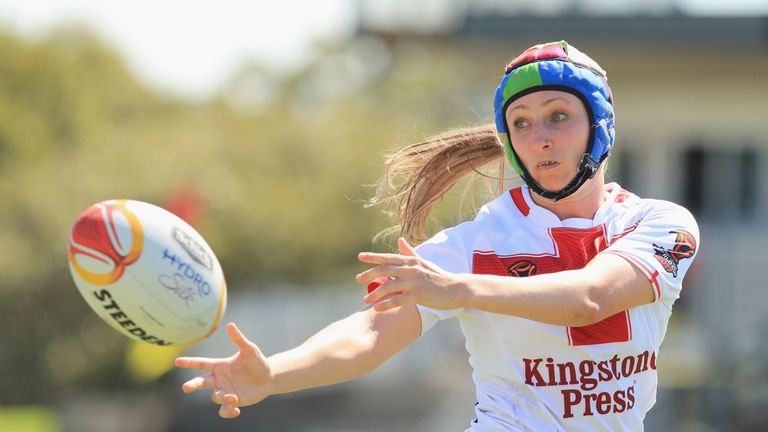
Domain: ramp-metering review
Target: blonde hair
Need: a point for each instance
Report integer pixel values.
(418, 176)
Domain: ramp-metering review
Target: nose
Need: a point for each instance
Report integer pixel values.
(542, 136)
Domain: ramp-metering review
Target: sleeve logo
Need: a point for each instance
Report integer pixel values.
(685, 247)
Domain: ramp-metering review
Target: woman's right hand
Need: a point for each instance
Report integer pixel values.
(239, 380)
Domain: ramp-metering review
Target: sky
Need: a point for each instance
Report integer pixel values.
(190, 48)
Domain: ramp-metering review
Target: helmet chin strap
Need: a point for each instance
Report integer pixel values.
(587, 170)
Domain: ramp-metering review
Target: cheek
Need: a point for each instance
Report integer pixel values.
(522, 145)
(578, 137)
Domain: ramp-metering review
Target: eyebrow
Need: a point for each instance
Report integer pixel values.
(546, 102)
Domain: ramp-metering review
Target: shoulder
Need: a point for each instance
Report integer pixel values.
(628, 212)
(625, 202)
(677, 219)
(509, 206)
(462, 236)
(453, 235)
(450, 248)
(668, 210)
(654, 217)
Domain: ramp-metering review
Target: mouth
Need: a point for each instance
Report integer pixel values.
(547, 164)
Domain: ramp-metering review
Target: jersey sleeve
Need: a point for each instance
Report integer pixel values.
(447, 250)
(663, 245)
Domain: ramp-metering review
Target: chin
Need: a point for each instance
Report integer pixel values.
(553, 186)
(555, 181)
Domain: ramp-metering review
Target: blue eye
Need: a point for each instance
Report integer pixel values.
(519, 124)
(559, 116)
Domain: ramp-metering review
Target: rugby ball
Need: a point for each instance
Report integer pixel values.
(147, 273)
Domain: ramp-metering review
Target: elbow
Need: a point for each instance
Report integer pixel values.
(373, 352)
(369, 362)
(369, 358)
(585, 313)
(589, 308)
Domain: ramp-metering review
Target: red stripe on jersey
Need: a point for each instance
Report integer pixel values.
(655, 281)
(517, 198)
(626, 231)
(615, 328)
(573, 249)
(651, 274)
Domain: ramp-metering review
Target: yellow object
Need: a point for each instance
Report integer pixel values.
(148, 362)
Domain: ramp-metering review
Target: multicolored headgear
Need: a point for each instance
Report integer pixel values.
(559, 66)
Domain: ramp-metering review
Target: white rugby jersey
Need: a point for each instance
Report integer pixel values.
(532, 376)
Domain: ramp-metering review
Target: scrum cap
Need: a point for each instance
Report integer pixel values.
(559, 66)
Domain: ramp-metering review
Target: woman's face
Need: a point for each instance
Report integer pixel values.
(549, 131)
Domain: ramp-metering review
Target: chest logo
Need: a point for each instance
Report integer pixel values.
(572, 248)
(523, 268)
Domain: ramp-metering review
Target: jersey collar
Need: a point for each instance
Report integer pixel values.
(522, 201)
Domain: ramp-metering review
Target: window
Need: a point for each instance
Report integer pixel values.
(722, 184)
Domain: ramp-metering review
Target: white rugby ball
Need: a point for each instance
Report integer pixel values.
(147, 273)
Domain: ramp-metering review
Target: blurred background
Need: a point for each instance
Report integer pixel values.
(263, 125)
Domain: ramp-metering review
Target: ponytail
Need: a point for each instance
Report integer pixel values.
(430, 169)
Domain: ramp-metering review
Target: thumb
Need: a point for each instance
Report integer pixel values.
(405, 248)
(243, 344)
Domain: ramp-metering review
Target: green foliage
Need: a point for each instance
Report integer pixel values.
(280, 180)
(28, 419)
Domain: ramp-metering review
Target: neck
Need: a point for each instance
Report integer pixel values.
(583, 203)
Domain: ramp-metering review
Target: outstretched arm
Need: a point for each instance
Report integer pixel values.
(346, 349)
(607, 285)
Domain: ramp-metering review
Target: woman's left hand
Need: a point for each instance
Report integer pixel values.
(412, 280)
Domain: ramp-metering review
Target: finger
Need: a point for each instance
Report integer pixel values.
(392, 302)
(379, 281)
(229, 411)
(381, 271)
(217, 396)
(243, 344)
(198, 383)
(231, 398)
(200, 363)
(405, 248)
(385, 258)
(393, 287)
(220, 397)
